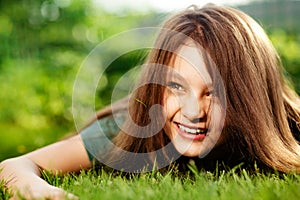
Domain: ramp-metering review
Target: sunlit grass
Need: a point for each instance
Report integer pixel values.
(197, 185)
(172, 185)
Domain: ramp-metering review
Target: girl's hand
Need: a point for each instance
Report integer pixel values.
(43, 191)
(23, 174)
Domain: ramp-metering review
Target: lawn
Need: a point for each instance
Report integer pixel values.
(39, 59)
(195, 185)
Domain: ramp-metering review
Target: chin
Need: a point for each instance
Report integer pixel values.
(191, 149)
(190, 153)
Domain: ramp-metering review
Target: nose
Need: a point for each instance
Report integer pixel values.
(195, 110)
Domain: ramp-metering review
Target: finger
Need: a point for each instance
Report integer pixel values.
(71, 196)
(60, 194)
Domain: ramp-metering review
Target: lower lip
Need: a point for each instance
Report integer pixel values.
(198, 137)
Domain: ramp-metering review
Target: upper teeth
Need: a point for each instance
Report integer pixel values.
(191, 130)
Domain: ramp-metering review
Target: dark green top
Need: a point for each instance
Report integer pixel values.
(97, 136)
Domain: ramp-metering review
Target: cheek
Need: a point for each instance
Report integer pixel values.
(171, 105)
(217, 122)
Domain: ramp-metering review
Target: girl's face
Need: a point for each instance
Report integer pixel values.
(193, 112)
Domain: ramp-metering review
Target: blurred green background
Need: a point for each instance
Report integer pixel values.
(43, 44)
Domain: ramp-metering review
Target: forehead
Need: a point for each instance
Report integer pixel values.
(188, 62)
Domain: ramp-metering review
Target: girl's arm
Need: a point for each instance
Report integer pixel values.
(22, 174)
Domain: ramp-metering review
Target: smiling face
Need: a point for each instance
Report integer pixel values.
(194, 114)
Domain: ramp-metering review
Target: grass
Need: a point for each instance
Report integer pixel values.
(196, 185)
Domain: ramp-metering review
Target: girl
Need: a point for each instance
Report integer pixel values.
(211, 90)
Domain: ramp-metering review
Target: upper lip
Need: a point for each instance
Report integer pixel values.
(191, 126)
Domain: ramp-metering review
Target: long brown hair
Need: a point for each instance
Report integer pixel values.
(261, 107)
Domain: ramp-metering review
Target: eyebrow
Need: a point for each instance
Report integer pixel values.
(172, 74)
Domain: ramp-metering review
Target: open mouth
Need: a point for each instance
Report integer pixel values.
(192, 133)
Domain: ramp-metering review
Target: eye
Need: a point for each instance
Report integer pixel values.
(175, 86)
(210, 93)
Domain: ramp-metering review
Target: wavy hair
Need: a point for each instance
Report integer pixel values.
(263, 111)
